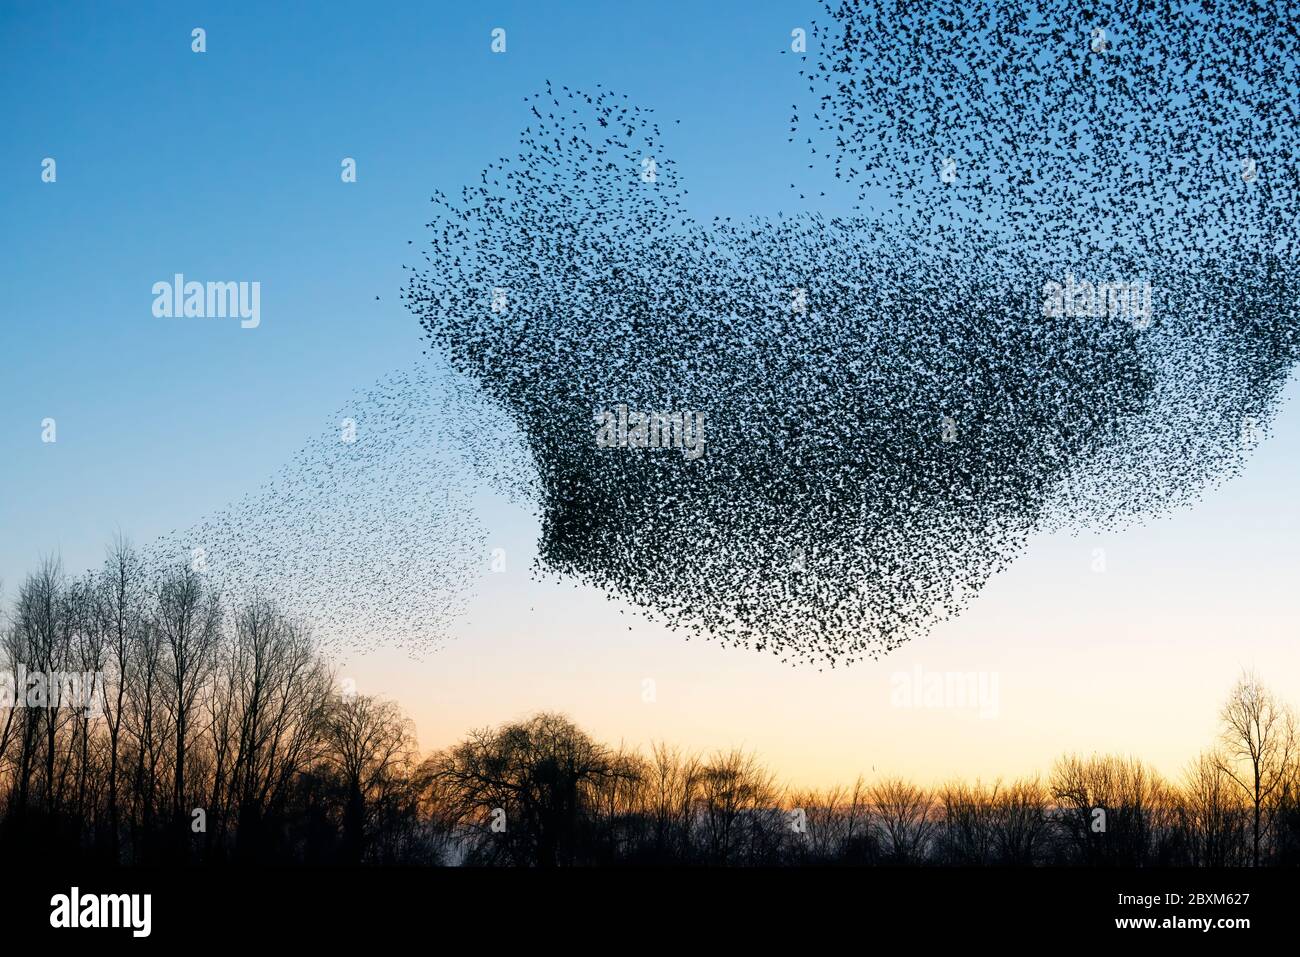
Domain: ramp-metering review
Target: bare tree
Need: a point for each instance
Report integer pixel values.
(671, 782)
(737, 797)
(1111, 810)
(44, 641)
(1020, 823)
(1258, 747)
(87, 649)
(146, 721)
(120, 607)
(968, 834)
(371, 745)
(617, 806)
(1213, 815)
(904, 818)
(824, 822)
(280, 694)
(521, 789)
(189, 621)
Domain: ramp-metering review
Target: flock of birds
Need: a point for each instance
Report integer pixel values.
(891, 409)
(370, 535)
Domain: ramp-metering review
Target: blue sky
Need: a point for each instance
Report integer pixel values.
(225, 166)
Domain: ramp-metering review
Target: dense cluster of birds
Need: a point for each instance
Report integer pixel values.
(893, 399)
(369, 535)
(1114, 140)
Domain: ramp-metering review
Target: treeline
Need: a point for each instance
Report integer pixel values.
(214, 731)
(558, 797)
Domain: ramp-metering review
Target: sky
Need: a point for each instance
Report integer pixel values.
(226, 165)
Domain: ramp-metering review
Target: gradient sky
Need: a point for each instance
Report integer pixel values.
(225, 165)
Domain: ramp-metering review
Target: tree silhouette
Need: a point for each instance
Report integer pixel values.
(1258, 747)
(534, 780)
